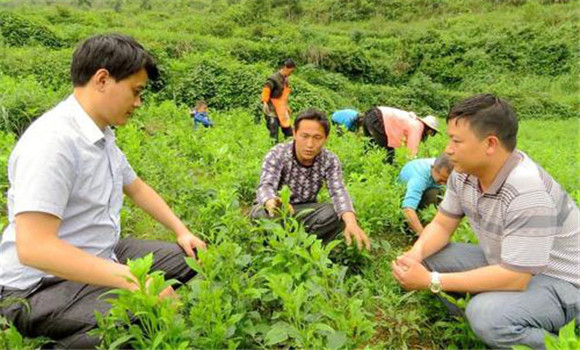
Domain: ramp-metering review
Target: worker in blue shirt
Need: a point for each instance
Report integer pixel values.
(350, 119)
(424, 179)
(200, 115)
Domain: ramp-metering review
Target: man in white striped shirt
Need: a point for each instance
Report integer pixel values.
(526, 268)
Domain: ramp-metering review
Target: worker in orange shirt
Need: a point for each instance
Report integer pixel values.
(275, 101)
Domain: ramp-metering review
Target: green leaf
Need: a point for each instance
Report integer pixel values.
(336, 340)
(276, 335)
(521, 347)
(120, 341)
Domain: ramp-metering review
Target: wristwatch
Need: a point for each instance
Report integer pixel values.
(435, 285)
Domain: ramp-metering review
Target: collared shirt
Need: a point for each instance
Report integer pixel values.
(402, 128)
(64, 165)
(281, 167)
(417, 176)
(524, 221)
(346, 117)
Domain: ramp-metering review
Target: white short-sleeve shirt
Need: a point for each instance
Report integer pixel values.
(64, 165)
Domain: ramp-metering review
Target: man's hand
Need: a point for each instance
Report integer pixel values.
(266, 108)
(189, 242)
(352, 229)
(359, 235)
(272, 207)
(410, 273)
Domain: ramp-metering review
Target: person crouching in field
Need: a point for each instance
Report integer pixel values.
(423, 179)
(391, 128)
(200, 115)
(350, 119)
(305, 165)
(525, 271)
(62, 248)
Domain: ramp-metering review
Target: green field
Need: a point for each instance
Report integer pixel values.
(292, 292)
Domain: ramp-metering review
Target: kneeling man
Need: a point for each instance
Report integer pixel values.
(305, 165)
(525, 271)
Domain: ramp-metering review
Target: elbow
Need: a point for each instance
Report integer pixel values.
(26, 254)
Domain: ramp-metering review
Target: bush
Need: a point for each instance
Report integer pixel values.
(18, 31)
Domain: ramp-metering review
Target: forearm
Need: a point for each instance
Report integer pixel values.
(413, 220)
(151, 202)
(59, 258)
(488, 278)
(433, 238)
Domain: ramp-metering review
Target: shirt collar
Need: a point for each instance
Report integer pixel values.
(298, 161)
(87, 125)
(511, 162)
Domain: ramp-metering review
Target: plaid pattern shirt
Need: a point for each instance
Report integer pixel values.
(281, 167)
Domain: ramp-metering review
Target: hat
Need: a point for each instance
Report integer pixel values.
(431, 122)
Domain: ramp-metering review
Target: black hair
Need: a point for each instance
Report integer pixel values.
(313, 114)
(119, 54)
(443, 162)
(488, 115)
(289, 63)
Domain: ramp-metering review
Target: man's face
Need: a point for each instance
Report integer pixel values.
(309, 140)
(202, 108)
(467, 152)
(122, 97)
(440, 175)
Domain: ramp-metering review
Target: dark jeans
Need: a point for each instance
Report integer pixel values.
(64, 310)
(374, 127)
(273, 124)
(322, 221)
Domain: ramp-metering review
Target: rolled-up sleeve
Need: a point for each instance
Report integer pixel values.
(531, 224)
(270, 177)
(340, 198)
(43, 176)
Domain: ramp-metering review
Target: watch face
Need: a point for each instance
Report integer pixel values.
(436, 288)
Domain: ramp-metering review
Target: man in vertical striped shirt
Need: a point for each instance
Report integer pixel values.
(525, 271)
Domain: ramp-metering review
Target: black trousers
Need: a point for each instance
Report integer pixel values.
(374, 127)
(322, 221)
(64, 310)
(273, 124)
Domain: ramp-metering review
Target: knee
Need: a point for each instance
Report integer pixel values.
(490, 319)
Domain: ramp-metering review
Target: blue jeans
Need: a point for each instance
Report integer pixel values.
(504, 319)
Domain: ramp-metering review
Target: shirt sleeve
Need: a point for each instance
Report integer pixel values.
(129, 174)
(451, 204)
(413, 140)
(265, 97)
(340, 198)
(531, 224)
(43, 176)
(415, 188)
(271, 174)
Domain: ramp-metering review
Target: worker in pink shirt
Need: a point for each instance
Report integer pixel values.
(392, 128)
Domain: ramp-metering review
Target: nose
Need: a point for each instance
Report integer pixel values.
(138, 102)
(448, 148)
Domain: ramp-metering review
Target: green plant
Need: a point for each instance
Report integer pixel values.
(141, 318)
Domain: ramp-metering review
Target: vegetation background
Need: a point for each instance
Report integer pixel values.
(416, 55)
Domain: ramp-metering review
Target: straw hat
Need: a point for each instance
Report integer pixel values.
(431, 122)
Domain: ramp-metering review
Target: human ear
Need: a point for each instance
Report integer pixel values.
(100, 79)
